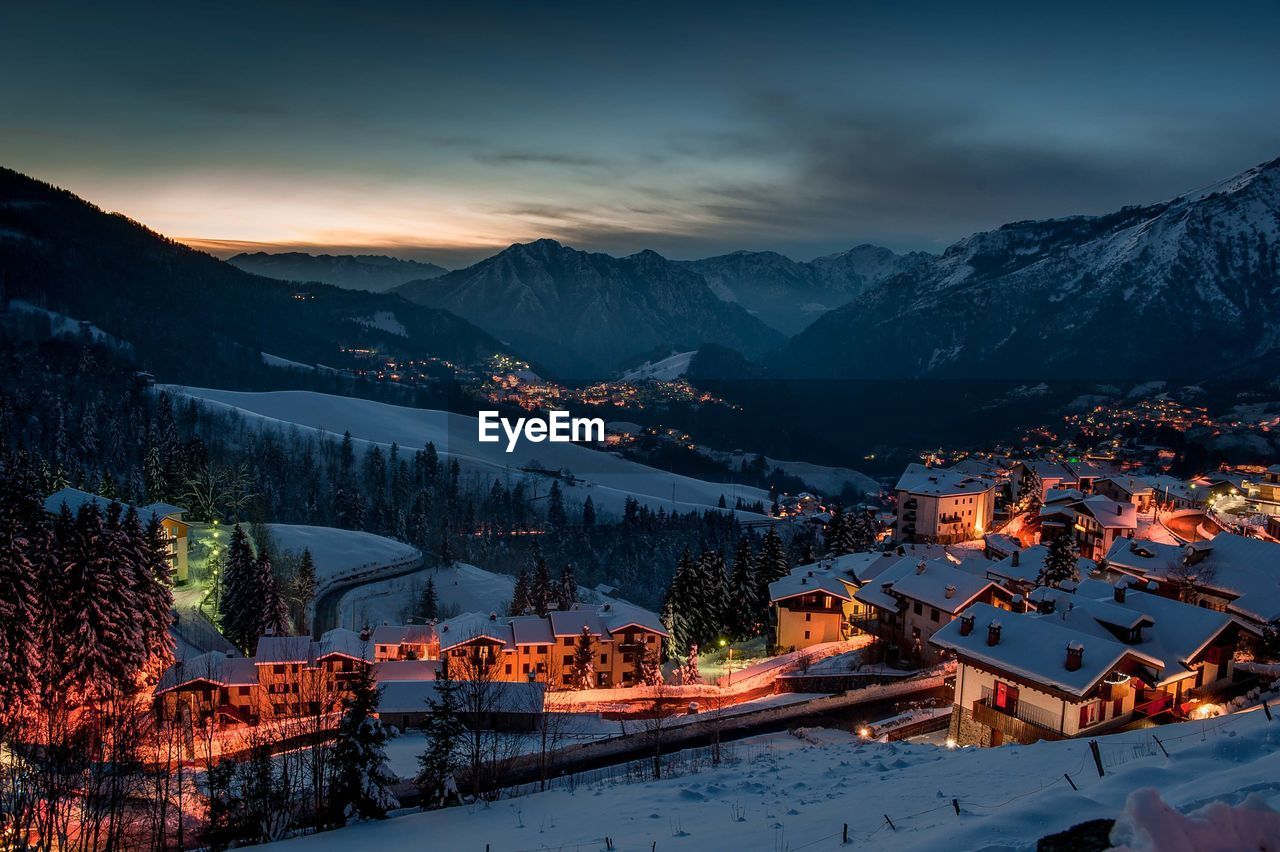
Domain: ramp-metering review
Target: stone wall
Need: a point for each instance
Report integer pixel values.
(964, 730)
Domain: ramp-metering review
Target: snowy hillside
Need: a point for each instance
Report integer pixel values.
(798, 791)
(462, 588)
(671, 367)
(337, 551)
(605, 478)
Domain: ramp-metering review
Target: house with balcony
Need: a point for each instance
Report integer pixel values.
(1095, 522)
(936, 505)
(1083, 663)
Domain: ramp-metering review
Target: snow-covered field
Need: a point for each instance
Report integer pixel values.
(607, 479)
(462, 588)
(793, 792)
(338, 551)
(827, 480)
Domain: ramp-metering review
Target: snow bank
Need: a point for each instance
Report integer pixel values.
(1149, 824)
(464, 588)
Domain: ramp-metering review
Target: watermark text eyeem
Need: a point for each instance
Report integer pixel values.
(557, 427)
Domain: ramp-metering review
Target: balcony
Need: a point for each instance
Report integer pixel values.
(910, 504)
(1021, 722)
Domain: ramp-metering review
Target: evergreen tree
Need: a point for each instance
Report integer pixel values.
(583, 675)
(1060, 563)
(239, 605)
(689, 673)
(835, 536)
(1030, 492)
(429, 605)
(24, 535)
(588, 514)
(744, 610)
(361, 783)
(443, 731)
(713, 600)
(446, 552)
(862, 531)
(272, 609)
(304, 590)
(771, 565)
(520, 594)
(541, 595)
(566, 591)
(557, 518)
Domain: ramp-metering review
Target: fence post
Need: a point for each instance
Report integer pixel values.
(891, 825)
(846, 833)
(955, 803)
(1266, 708)
(1072, 783)
(1097, 757)
(1162, 748)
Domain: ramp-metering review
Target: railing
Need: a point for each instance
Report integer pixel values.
(1155, 706)
(1028, 713)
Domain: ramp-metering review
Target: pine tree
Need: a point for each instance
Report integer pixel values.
(429, 605)
(1060, 563)
(744, 609)
(771, 565)
(588, 514)
(689, 673)
(678, 608)
(272, 609)
(446, 552)
(520, 594)
(713, 603)
(304, 590)
(566, 591)
(557, 519)
(361, 784)
(1030, 492)
(443, 731)
(862, 532)
(583, 662)
(24, 534)
(541, 595)
(835, 536)
(237, 605)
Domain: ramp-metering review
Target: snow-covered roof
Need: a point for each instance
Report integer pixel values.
(531, 630)
(572, 622)
(74, 498)
(938, 482)
(1047, 469)
(942, 584)
(161, 510)
(804, 582)
(619, 614)
(472, 625)
(1029, 563)
(1034, 648)
(283, 649)
(399, 670)
(213, 667)
(340, 642)
(410, 696)
(1247, 569)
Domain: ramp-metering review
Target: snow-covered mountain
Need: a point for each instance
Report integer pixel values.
(1184, 287)
(374, 272)
(583, 313)
(789, 295)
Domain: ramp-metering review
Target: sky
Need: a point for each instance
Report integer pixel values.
(448, 131)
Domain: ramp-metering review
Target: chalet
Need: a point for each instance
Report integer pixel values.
(405, 642)
(1230, 573)
(815, 603)
(943, 506)
(1052, 474)
(1145, 492)
(1084, 663)
(1264, 491)
(1095, 523)
(913, 598)
(174, 528)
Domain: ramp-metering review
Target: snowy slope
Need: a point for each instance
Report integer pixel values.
(338, 551)
(671, 367)
(607, 479)
(789, 792)
(462, 588)
(826, 480)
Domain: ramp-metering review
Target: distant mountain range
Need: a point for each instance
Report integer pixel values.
(374, 272)
(586, 314)
(189, 316)
(1183, 288)
(788, 295)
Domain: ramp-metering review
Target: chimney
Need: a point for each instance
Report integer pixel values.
(966, 625)
(951, 592)
(1075, 656)
(493, 616)
(1017, 558)
(993, 632)
(1119, 591)
(804, 581)
(920, 568)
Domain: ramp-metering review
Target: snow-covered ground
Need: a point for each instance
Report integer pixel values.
(63, 325)
(671, 367)
(798, 791)
(338, 551)
(462, 588)
(607, 479)
(284, 363)
(827, 480)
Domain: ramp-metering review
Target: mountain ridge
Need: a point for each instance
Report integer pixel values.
(374, 272)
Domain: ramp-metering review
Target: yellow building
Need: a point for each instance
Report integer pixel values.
(175, 529)
(942, 506)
